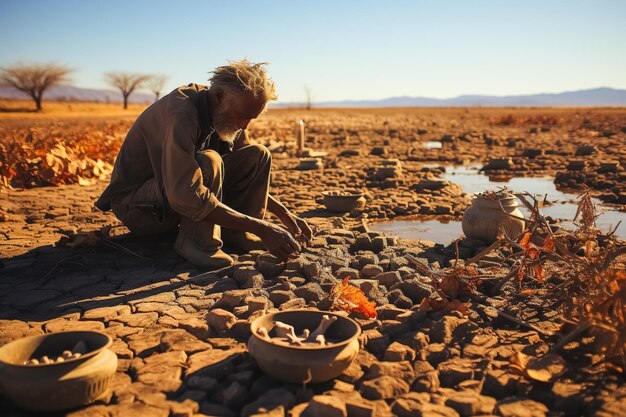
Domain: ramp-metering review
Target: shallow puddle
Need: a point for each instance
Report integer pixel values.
(432, 230)
(563, 206)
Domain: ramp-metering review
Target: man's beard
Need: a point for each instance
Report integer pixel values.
(225, 131)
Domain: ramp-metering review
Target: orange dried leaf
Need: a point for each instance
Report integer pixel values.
(532, 253)
(472, 271)
(538, 272)
(450, 286)
(525, 240)
(548, 244)
(425, 306)
(544, 369)
(85, 181)
(351, 299)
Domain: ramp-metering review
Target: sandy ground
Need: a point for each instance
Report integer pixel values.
(180, 334)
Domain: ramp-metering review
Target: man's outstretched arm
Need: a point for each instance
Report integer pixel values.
(277, 240)
(298, 227)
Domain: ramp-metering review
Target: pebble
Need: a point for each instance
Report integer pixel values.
(384, 387)
(325, 406)
(220, 320)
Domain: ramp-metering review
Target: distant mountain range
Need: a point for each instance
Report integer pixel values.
(71, 93)
(585, 98)
(595, 97)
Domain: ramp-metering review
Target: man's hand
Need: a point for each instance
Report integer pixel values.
(298, 227)
(278, 241)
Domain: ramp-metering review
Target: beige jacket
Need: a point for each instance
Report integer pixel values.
(162, 143)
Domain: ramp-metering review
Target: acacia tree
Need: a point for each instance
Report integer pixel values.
(126, 82)
(155, 84)
(34, 79)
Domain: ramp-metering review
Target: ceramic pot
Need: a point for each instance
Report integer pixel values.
(56, 386)
(297, 364)
(343, 201)
(484, 218)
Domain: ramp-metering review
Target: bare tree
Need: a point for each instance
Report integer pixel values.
(34, 79)
(155, 84)
(308, 97)
(126, 82)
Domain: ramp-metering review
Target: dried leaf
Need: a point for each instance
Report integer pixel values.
(351, 299)
(85, 181)
(548, 244)
(525, 240)
(544, 369)
(538, 272)
(450, 285)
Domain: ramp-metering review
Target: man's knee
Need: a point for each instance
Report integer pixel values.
(257, 154)
(211, 165)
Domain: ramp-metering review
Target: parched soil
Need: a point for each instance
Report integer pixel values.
(180, 334)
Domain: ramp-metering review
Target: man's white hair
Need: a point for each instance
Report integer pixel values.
(242, 76)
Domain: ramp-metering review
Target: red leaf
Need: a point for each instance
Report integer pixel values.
(548, 244)
(351, 299)
(525, 240)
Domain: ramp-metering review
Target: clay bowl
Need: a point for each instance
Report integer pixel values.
(297, 364)
(56, 386)
(343, 201)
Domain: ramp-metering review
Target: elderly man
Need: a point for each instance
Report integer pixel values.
(187, 163)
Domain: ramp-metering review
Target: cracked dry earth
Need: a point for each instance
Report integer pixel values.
(180, 333)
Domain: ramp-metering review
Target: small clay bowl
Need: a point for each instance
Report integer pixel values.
(343, 201)
(59, 385)
(297, 364)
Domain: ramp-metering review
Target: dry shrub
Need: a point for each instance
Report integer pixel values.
(593, 291)
(596, 292)
(525, 120)
(59, 155)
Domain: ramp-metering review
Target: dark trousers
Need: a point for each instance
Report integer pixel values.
(240, 179)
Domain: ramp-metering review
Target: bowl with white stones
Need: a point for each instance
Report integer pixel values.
(304, 345)
(57, 371)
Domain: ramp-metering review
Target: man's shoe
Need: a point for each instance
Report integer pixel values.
(202, 258)
(242, 240)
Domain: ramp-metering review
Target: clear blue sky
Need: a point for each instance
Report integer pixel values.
(341, 49)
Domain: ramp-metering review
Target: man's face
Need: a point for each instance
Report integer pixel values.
(234, 112)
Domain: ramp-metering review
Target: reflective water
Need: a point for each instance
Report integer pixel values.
(432, 230)
(563, 206)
